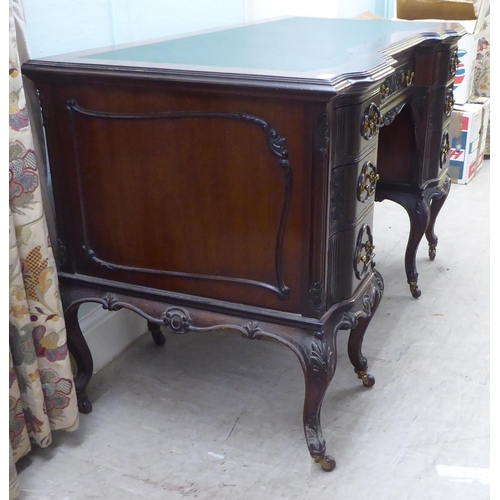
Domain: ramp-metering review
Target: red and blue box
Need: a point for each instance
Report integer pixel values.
(468, 128)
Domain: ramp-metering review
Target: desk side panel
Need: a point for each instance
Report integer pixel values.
(197, 193)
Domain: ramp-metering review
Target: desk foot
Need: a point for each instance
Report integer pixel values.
(414, 289)
(367, 379)
(156, 333)
(84, 404)
(327, 463)
(432, 251)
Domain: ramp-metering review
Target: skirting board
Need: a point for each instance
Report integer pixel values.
(109, 333)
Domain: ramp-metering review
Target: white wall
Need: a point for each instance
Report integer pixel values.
(262, 9)
(60, 26)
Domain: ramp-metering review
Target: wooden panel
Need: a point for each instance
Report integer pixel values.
(187, 193)
(396, 149)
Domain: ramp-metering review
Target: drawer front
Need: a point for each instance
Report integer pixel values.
(356, 129)
(397, 83)
(352, 191)
(350, 257)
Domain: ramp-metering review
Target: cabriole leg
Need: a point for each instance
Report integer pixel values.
(80, 351)
(156, 333)
(357, 334)
(419, 213)
(320, 361)
(436, 205)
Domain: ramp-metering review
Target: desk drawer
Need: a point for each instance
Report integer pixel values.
(355, 130)
(397, 83)
(352, 191)
(350, 255)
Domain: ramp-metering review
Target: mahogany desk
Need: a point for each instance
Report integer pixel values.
(226, 180)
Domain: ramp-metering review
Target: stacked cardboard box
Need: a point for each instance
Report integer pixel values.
(468, 129)
(460, 11)
(469, 119)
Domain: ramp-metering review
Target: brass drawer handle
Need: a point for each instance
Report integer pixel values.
(364, 252)
(384, 92)
(449, 102)
(367, 182)
(407, 78)
(371, 122)
(455, 61)
(445, 149)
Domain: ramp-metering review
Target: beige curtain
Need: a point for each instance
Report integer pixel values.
(482, 65)
(42, 394)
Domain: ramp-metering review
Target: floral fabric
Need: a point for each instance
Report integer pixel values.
(482, 64)
(42, 393)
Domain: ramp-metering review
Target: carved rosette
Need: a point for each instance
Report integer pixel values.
(316, 294)
(177, 320)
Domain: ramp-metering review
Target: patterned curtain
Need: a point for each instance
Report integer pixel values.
(482, 65)
(42, 394)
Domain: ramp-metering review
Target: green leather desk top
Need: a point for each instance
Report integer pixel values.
(299, 47)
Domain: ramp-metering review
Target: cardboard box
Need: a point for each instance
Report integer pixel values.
(468, 130)
(461, 11)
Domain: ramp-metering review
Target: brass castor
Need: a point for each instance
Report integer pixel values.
(432, 251)
(414, 289)
(367, 379)
(327, 463)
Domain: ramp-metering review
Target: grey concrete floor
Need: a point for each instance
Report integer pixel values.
(218, 417)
